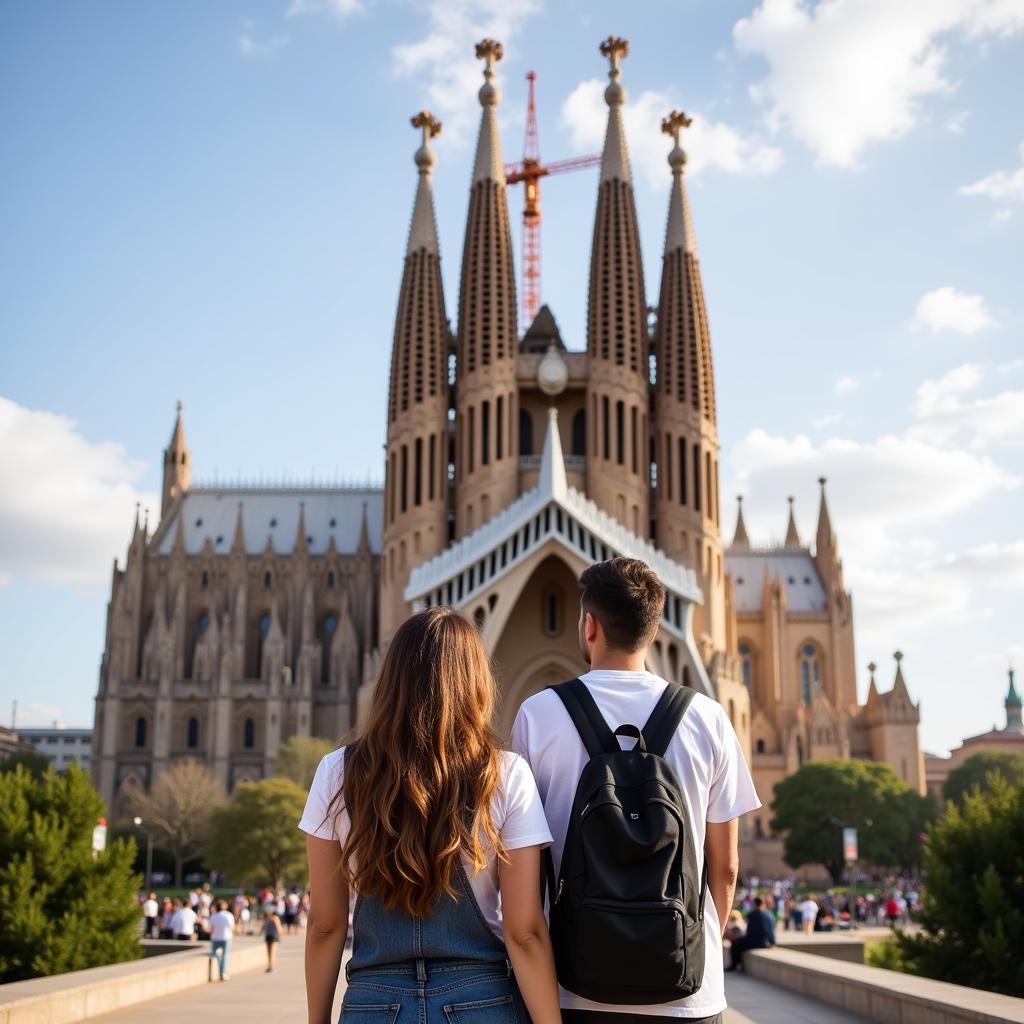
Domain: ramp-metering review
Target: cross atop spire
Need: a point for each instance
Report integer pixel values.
(614, 48)
(490, 51)
(679, 230)
(488, 165)
(423, 226)
(673, 125)
(431, 128)
(614, 159)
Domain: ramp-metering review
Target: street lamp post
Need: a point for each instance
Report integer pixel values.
(149, 850)
(851, 866)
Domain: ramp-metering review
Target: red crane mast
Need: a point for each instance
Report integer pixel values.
(529, 171)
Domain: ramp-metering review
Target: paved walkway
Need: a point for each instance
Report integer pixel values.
(280, 998)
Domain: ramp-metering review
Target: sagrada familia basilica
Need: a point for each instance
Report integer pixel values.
(252, 614)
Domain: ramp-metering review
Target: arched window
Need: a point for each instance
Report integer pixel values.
(747, 663)
(192, 734)
(579, 433)
(327, 630)
(202, 624)
(810, 673)
(331, 579)
(268, 580)
(551, 610)
(525, 433)
(140, 732)
(204, 579)
(760, 746)
(249, 734)
(479, 616)
(264, 623)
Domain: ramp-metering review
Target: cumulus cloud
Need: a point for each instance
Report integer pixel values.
(66, 503)
(949, 309)
(945, 416)
(708, 144)
(890, 496)
(443, 58)
(1002, 186)
(843, 74)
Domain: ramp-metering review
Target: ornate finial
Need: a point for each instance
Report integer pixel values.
(614, 48)
(871, 668)
(791, 499)
(822, 480)
(739, 499)
(898, 655)
(431, 128)
(673, 125)
(490, 51)
(180, 406)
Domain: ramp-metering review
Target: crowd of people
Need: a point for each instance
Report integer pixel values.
(200, 916)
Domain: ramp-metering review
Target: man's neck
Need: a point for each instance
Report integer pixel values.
(619, 661)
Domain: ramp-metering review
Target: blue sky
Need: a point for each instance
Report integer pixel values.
(209, 202)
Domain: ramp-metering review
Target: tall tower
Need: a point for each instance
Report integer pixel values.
(618, 460)
(487, 404)
(177, 464)
(686, 431)
(416, 474)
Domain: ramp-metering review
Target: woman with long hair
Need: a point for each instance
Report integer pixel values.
(438, 832)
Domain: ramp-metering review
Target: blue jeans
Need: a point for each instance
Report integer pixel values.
(223, 946)
(434, 992)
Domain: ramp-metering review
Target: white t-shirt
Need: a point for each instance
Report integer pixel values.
(808, 910)
(184, 921)
(708, 761)
(222, 925)
(516, 811)
(150, 908)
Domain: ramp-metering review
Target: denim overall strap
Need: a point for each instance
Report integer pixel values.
(455, 932)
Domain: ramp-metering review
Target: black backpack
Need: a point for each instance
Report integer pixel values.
(627, 914)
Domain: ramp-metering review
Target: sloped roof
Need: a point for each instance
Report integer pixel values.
(805, 591)
(212, 513)
(543, 332)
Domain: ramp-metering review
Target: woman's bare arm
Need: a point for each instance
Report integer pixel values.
(526, 934)
(326, 927)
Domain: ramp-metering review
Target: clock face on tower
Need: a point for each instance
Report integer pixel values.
(552, 373)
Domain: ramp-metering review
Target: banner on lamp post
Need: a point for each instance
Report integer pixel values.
(849, 845)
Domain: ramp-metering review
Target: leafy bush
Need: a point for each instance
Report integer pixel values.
(61, 909)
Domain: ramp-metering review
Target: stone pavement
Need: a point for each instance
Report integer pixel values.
(279, 998)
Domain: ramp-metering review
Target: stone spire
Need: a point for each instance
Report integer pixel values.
(177, 464)
(617, 308)
(792, 536)
(1013, 706)
(363, 548)
(238, 541)
(415, 487)
(486, 390)
(683, 341)
(826, 536)
(740, 540)
(487, 300)
(301, 538)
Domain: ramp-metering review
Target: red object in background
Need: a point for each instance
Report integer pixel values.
(530, 171)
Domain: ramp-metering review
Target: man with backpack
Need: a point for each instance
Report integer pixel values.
(642, 783)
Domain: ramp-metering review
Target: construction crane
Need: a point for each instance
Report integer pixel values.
(530, 171)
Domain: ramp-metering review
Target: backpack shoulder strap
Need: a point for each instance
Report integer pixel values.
(666, 716)
(587, 717)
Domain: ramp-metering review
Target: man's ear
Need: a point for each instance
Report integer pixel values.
(591, 627)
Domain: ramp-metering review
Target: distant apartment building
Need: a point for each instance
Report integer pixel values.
(10, 744)
(60, 746)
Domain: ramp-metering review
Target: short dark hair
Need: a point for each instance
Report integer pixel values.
(627, 598)
(758, 902)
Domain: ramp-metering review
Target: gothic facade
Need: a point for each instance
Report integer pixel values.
(512, 461)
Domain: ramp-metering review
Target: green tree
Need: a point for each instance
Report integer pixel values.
(972, 915)
(807, 805)
(177, 809)
(976, 769)
(36, 764)
(297, 758)
(255, 838)
(62, 908)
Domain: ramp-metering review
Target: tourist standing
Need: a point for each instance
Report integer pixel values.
(151, 914)
(808, 914)
(449, 923)
(183, 921)
(622, 603)
(272, 931)
(222, 930)
(166, 914)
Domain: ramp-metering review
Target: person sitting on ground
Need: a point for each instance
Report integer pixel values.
(760, 934)
(734, 927)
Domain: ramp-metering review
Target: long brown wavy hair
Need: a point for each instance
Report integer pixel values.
(419, 779)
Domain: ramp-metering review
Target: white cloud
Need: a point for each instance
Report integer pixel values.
(847, 385)
(949, 309)
(957, 124)
(944, 416)
(828, 420)
(843, 74)
(338, 8)
(251, 45)
(708, 144)
(889, 496)
(443, 57)
(66, 503)
(1003, 186)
